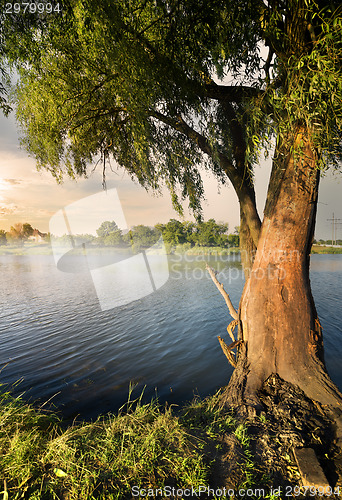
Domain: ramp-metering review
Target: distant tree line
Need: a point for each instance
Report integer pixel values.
(205, 234)
(174, 232)
(21, 232)
(327, 242)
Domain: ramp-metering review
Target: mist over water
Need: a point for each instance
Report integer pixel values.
(59, 342)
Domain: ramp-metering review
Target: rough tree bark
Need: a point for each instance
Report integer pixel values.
(279, 328)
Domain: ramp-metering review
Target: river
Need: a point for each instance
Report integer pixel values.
(62, 347)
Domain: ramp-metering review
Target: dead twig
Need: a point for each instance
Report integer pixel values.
(227, 350)
(222, 291)
(230, 328)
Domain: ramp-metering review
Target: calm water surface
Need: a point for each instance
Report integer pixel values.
(56, 339)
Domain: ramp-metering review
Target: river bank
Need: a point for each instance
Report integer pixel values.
(142, 449)
(29, 248)
(323, 249)
(201, 450)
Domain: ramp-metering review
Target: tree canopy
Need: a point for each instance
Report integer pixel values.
(143, 82)
(203, 234)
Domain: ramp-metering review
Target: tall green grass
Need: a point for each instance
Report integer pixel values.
(146, 445)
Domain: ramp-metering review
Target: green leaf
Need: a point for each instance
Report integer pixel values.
(60, 472)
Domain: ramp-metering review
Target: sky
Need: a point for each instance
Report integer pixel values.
(27, 195)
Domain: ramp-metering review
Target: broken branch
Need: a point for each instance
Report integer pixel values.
(230, 328)
(222, 291)
(227, 348)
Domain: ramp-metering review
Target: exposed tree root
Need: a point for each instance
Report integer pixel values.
(281, 416)
(288, 420)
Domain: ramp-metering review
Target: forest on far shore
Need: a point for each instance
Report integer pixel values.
(206, 233)
(188, 234)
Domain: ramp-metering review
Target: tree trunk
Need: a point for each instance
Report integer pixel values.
(279, 326)
(247, 245)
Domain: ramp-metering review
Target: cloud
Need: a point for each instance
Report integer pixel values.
(13, 182)
(41, 212)
(7, 209)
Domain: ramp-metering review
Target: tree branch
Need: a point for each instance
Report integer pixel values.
(222, 291)
(94, 117)
(230, 328)
(227, 350)
(202, 142)
(267, 65)
(179, 124)
(236, 176)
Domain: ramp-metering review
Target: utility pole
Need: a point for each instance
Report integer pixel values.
(335, 222)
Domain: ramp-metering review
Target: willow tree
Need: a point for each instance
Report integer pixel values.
(144, 82)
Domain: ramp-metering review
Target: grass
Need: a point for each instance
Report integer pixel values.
(207, 416)
(321, 249)
(145, 445)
